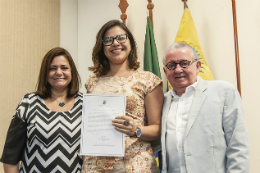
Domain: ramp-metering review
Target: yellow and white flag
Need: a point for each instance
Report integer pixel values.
(187, 34)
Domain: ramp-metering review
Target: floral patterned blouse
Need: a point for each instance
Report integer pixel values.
(139, 156)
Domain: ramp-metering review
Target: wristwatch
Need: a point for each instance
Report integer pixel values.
(138, 132)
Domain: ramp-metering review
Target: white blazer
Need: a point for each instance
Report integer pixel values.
(216, 138)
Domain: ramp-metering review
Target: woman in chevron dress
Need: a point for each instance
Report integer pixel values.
(45, 130)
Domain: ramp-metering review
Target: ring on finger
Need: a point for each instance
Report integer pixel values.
(126, 123)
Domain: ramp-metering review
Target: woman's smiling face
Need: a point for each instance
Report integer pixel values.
(60, 73)
(117, 53)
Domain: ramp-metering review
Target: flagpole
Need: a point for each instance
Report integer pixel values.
(123, 6)
(184, 1)
(150, 8)
(236, 46)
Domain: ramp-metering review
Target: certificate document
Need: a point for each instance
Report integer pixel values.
(98, 135)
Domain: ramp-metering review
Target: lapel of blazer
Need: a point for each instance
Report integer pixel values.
(197, 102)
(166, 108)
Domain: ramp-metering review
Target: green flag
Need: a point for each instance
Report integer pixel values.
(151, 60)
(150, 51)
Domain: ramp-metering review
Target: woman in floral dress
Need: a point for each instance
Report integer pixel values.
(115, 71)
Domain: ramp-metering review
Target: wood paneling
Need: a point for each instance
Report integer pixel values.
(28, 29)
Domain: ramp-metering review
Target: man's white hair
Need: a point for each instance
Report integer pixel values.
(194, 54)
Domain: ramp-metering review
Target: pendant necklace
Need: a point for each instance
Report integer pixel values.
(61, 104)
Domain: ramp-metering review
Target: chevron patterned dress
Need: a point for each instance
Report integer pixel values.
(45, 141)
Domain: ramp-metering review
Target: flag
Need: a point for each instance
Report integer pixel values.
(150, 51)
(151, 60)
(187, 34)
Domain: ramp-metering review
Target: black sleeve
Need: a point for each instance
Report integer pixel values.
(15, 141)
(16, 134)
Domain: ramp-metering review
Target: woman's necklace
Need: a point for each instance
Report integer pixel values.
(61, 104)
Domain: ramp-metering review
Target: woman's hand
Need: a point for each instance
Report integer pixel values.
(153, 107)
(125, 125)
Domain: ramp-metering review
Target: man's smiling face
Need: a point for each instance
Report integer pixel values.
(180, 78)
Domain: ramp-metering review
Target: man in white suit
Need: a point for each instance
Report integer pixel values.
(203, 126)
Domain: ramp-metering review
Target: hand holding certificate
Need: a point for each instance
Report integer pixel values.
(98, 135)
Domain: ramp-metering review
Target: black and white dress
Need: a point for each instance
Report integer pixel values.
(45, 141)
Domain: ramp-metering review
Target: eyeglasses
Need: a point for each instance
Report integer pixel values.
(110, 40)
(184, 64)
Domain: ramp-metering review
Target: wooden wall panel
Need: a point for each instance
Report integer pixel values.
(28, 29)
